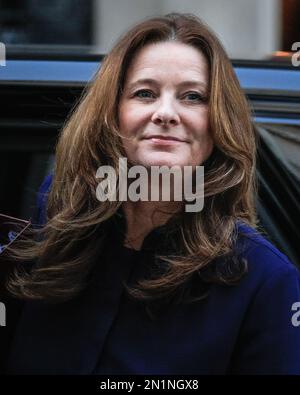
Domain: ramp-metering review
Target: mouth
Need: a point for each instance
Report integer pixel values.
(164, 139)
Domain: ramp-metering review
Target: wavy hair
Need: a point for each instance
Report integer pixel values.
(64, 251)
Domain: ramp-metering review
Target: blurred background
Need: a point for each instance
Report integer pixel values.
(248, 29)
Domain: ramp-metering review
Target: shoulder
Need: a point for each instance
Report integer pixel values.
(260, 254)
(271, 277)
(269, 340)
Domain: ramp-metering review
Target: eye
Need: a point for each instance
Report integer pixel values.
(195, 97)
(143, 94)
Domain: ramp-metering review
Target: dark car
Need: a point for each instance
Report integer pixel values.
(38, 91)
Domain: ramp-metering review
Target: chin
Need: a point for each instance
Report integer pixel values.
(160, 163)
(161, 159)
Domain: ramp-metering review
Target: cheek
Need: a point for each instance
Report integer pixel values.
(202, 131)
(130, 120)
(122, 119)
(203, 140)
(126, 126)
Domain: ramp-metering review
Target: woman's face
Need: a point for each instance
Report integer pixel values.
(163, 111)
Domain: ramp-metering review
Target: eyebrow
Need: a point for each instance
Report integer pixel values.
(181, 84)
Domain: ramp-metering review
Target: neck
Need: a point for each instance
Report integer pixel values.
(142, 217)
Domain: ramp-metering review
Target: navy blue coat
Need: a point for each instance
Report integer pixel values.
(249, 328)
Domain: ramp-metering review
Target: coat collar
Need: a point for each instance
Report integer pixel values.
(161, 239)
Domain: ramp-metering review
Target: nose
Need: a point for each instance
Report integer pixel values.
(165, 113)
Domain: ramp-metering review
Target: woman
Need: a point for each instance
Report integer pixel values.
(145, 287)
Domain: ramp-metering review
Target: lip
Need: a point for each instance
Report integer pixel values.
(166, 139)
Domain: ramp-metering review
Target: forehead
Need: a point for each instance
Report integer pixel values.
(168, 60)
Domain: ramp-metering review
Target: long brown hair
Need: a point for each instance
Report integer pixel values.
(64, 253)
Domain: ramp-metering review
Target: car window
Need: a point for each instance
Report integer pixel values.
(279, 188)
